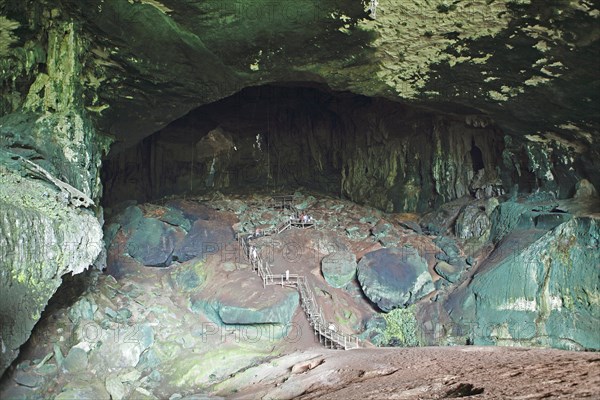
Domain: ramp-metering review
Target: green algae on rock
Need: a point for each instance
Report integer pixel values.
(339, 268)
(42, 239)
(537, 288)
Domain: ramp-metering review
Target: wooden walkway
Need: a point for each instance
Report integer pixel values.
(326, 332)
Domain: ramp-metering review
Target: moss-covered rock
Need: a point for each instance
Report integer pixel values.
(401, 328)
(339, 268)
(41, 239)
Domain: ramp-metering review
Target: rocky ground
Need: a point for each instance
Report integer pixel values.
(178, 313)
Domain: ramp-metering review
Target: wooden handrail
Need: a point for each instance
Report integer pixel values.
(308, 300)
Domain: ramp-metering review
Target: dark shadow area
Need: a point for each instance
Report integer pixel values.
(476, 157)
(70, 290)
(281, 138)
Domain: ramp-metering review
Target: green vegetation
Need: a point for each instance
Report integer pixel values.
(401, 328)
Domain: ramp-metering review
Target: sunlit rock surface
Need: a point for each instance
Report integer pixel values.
(41, 239)
(539, 287)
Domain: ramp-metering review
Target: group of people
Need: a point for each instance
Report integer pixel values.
(257, 233)
(303, 218)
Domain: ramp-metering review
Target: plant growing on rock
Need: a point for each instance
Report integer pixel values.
(401, 328)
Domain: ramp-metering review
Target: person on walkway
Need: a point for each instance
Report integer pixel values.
(253, 254)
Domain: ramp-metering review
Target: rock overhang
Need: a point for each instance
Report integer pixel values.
(525, 64)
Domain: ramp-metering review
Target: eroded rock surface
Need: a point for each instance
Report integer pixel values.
(538, 287)
(394, 277)
(41, 239)
(339, 268)
(509, 88)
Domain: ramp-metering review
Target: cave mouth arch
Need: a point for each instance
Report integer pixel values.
(293, 136)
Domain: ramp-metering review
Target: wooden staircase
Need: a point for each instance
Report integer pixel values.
(326, 332)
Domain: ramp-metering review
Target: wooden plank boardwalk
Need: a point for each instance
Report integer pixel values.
(326, 332)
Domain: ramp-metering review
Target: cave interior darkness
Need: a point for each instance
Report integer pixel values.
(281, 138)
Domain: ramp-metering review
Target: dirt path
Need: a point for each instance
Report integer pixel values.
(424, 373)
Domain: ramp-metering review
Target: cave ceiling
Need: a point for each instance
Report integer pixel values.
(530, 66)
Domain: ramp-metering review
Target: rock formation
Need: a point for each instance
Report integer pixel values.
(408, 107)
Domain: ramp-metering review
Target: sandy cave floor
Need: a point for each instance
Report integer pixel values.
(422, 373)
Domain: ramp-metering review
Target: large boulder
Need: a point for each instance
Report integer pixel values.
(394, 277)
(204, 238)
(273, 309)
(190, 209)
(234, 299)
(153, 242)
(584, 189)
(155, 236)
(473, 223)
(277, 313)
(449, 272)
(339, 268)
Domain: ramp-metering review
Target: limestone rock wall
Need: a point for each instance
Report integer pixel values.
(44, 118)
(538, 288)
(41, 239)
(552, 165)
(372, 151)
(555, 302)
